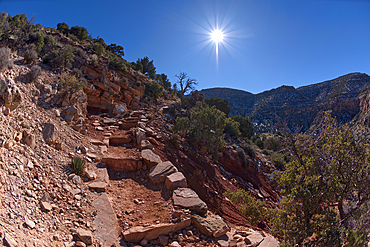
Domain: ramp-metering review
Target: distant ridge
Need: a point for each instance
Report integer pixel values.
(298, 107)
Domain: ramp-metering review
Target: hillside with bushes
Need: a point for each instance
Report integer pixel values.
(99, 151)
(298, 107)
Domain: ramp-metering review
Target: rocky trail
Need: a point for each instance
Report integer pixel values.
(138, 188)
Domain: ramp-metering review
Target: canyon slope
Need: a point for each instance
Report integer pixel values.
(297, 107)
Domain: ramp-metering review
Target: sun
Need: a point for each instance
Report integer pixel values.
(217, 36)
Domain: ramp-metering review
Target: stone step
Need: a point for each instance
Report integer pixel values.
(211, 225)
(150, 158)
(176, 180)
(159, 172)
(128, 125)
(138, 233)
(119, 140)
(105, 223)
(188, 198)
(122, 164)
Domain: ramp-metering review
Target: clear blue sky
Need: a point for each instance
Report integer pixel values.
(268, 43)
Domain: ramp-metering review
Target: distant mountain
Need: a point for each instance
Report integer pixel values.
(298, 107)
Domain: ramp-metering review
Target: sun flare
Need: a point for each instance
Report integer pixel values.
(217, 36)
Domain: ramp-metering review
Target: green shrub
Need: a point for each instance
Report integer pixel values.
(33, 74)
(205, 128)
(182, 126)
(252, 208)
(98, 48)
(50, 57)
(245, 125)
(80, 32)
(78, 165)
(192, 99)
(81, 53)
(232, 128)
(61, 58)
(93, 62)
(70, 84)
(220, 104)
(5, 61)
(116, 49)
(30, 56)
(259, 143)
(278, 161)
(50, 40)
(63, 27)
(153, 89)
(73, 37)
(117, 63)
(272, 143)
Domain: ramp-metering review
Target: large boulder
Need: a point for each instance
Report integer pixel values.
(10, 93)
(158, 173)
(188, 198)
(50, 133)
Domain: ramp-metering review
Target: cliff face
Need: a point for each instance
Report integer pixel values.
(298, 107)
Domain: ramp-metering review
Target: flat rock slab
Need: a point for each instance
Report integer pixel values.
(106, 226)
(98, 186)
(255, 238)
(150, 157)
(176, 180)
(158, 173)
(211, 225)
(188, 198)
(138, 233)
(122, 164)
(269, 241)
